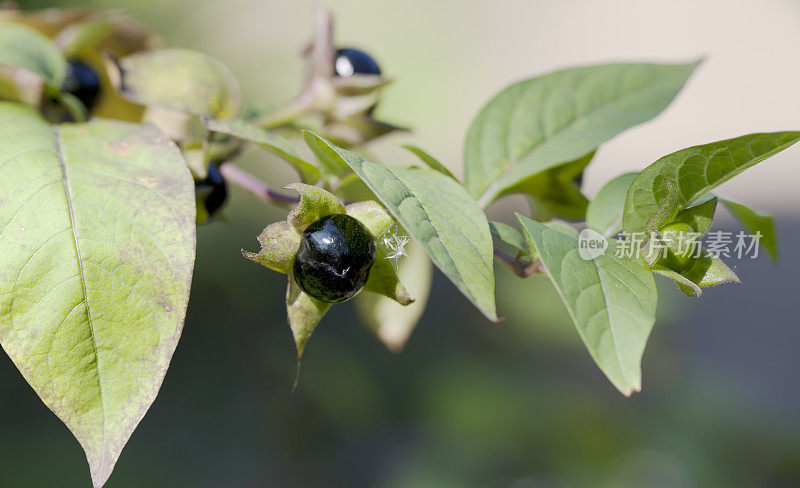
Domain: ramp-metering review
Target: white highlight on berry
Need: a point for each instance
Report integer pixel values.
(344, 67)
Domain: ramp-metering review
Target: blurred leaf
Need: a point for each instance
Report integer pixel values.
(196, 155)
(357, 128)
(89, 37)
(180, 80)
(432, 162)
(48, 21)
(351, 188)
(539, 123)
(389, 320)
(604, 213)
(26, 48)
(99, 227)
(753, 222)
(509, 235)
(107, 30)
(178, 126)
(73, 106)
(20, 85)
(29, 64)
(82, 37)
(756, 222)
(328, 158)
(673, 182)
(268, 140)
(611, 299)
(439, 213)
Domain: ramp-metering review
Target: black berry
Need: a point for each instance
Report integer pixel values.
(351, 62)
(335, 255)
(212, 190)
(82, 81)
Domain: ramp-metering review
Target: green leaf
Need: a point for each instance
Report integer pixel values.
(555, 192)
(698, 217)
(432, 162)
(756, 222)
(28, 49)
(753, 222)
(392, 322)
(437, 212)
(180, 80)
(563, 227)
(510, 236)
(604, 213)
(78, 39)
(315, 203)
(612, 300)
(543, 122)
(270, 141)
(96, 256)
(351, 188)
(330, 161)
(675, 181)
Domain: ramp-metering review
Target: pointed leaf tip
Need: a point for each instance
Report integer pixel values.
(611, 298)
(115, 270)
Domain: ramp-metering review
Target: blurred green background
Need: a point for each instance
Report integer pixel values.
(468, 403)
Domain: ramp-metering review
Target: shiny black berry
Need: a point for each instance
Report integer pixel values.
(212, 190)
(351, 62)
(335, 256)
(83, 82)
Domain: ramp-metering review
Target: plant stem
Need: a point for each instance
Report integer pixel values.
(255, 186)
(523, 270)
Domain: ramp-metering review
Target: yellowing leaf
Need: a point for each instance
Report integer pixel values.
(97, 240)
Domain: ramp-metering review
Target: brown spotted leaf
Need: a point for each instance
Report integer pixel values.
(97, 245)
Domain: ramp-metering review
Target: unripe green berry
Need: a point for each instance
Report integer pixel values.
(680, 241)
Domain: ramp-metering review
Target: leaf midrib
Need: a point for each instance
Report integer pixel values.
(82, 273)
(462, 283)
